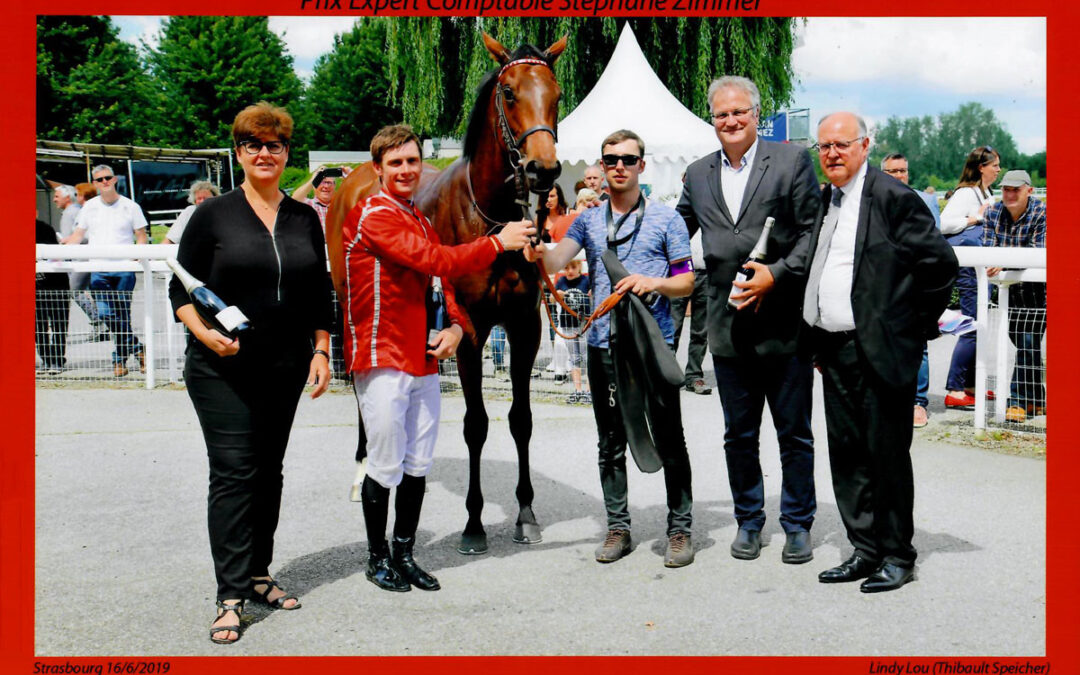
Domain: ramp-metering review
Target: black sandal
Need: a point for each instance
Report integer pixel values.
(237, 607)
(264, 597)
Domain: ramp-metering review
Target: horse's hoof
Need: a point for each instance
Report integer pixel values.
(473, 544)
(527, 533)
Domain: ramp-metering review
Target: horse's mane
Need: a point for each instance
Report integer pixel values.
(478, 117)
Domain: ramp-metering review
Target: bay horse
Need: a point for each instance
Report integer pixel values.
(509, 151)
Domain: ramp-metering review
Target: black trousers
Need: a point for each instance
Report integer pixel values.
(869, 428)
(612, 445)
(246, 415)
(51, 311)
(787, 384)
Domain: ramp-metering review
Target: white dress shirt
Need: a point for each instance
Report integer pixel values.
(733, 181)
(834, 293)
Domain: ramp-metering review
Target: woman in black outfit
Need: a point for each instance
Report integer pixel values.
(264, 253)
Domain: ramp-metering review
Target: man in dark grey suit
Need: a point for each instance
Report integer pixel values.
(728, 195)
(880, 276)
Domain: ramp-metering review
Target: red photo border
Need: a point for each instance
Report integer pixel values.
(18, 394)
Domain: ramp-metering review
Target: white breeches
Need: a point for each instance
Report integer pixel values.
(401, 418)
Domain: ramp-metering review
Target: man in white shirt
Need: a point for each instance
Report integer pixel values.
(879, 277)
(728, 195)
(111, 218)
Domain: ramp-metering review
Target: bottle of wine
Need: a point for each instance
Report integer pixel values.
(437, 318)
(756, 255)
(226, 319)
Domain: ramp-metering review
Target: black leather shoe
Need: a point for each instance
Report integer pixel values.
(406, 566)
(381, 572)
(852, 569)
(747, 544)
(888, 577)
(797, 548)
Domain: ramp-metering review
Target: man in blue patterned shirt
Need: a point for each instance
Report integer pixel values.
(652, 242)
(1019, 220)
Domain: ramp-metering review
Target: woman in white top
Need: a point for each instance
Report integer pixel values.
(961, 223)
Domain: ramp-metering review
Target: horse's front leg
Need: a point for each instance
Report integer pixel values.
(470, 371)
(523, 334)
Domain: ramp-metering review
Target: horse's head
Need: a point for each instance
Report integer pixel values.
(526, 101)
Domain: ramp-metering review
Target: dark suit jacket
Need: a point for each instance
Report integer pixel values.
(782, 184)
(904, 270)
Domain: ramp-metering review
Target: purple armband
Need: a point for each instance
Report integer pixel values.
(681, 267)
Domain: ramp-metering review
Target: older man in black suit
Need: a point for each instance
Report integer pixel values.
(728, 195)
(880, 276)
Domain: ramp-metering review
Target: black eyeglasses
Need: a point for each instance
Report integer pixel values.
(103, 179)
(611, 161)
(895, 171)
(988, 150)
(253, 147)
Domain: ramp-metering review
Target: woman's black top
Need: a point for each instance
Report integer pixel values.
(279, 280)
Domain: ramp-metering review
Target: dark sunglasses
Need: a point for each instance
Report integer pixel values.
(103, 179)
(627, 160)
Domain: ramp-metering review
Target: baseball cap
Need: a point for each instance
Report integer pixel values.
(1016, 178)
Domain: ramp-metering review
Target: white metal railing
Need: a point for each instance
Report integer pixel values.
(1024, 264)
(164, 341)
(145, 258)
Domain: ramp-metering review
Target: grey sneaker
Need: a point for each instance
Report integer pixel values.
(699, 387)
(616, 544)
(680, 550)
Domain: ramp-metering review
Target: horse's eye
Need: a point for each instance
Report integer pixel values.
(508, 94)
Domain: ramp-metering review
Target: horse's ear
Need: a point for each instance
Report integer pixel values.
(498, 52)
(552, 52)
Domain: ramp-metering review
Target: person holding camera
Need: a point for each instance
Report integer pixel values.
(324, 182)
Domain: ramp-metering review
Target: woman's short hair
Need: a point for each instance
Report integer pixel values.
(586, 196)
(199, 186)
(86, 190)
(262, 119)
(390, 137)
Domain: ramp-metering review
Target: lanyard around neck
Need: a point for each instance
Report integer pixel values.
(613, 227)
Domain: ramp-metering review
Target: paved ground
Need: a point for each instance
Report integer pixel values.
(123, 563)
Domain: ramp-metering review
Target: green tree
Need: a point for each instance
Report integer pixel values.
(431, 58)
(90, 84)
(346, 101)
(206, 69)
(937, 148)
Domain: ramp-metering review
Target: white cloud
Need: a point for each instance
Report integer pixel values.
(309, 37)
(967, 56)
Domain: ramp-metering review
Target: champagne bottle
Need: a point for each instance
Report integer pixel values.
(437, 318)
(226, 319)
(756, 255)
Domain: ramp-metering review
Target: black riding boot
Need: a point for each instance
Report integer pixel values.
(407, 504)
(380, 571)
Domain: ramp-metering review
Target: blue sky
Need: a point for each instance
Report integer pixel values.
(879, 66)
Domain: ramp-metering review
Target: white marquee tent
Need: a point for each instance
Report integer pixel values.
(629, 95)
